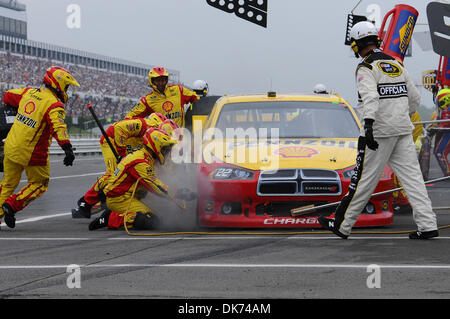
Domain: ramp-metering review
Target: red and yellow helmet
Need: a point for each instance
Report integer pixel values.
(158, 78)
(443, 99)
(172, 129)
(158, 142)
(155, 120)
(59, 79)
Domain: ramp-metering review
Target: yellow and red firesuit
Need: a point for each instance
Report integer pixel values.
(40, 117)
(125, 136)
(172, 129)
(442, 141)
(168, 100)
(137, 167)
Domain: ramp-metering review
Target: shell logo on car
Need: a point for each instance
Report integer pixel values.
(296, 152)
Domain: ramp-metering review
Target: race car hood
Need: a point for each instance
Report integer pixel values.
(330, 153)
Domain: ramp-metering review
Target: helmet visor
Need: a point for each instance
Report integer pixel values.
(160, 83)
(166, 150)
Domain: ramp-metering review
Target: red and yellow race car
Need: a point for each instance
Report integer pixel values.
(263, 156)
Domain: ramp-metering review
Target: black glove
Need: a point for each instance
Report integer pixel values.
(368, 132)
(70, 157)
(185, 194)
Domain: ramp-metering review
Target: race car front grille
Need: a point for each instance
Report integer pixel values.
(289, 182)
(273, 188)
(283, 209)
(280, 173)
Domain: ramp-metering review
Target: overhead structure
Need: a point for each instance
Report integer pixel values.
(13, 19)
(439, 30)
(14, 39)
(254, 11)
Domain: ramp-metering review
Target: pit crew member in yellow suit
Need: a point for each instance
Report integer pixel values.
(168, 100)
(442, 141)
(40, 117)
(121, 190)
(172, 129)
(125, 136)
(418, 129)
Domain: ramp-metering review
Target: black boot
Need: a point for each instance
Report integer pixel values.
(146, 221)
(424, 234)
(10, 219)
(101, 221)
(329, 224)
(84, 208)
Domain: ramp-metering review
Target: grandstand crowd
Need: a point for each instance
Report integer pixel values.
(113, 94)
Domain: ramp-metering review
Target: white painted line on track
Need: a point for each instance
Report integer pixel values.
(47, 239)
(72, 176)
(77, 159)
(38, 218)
(312, 236)
(287, 236)
(291, 237)
(204, 237)
(69, 176)
(210, 265)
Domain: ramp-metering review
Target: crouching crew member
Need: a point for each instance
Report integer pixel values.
(122, 199)
(125, 136)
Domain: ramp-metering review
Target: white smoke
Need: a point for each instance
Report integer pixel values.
(171, 216)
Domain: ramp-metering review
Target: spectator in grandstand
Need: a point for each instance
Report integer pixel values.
(168, 100)
(40, 118)
(113, 93)
(27, 71)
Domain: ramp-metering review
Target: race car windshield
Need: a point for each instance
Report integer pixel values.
(294, 119)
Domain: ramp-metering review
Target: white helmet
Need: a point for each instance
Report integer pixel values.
(320, 88)
(363, 29)
(363, 34)
(200, 87)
